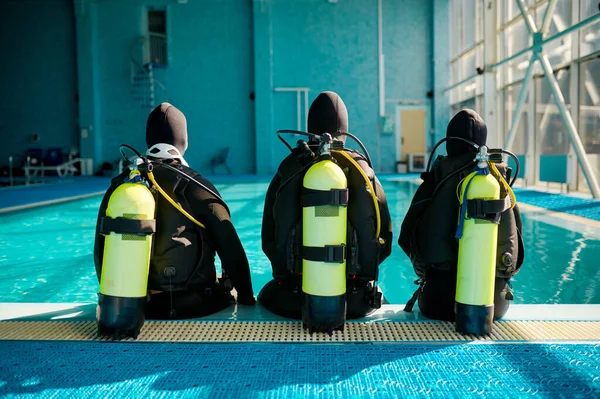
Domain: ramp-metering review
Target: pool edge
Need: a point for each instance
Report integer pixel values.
(15, 311)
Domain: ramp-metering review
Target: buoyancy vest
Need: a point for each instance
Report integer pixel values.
(183, 256)
(364, 252)
(433, 242)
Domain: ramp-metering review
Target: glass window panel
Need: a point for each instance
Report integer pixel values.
(509, 10)
(479, 55)
(589, 115)
(511, 95)
(551, 131)
(559, 51)
(466, 91)
(562, 17)
(470, 89)
(469, 23)
(590, 35)
(551, 136)
(454, 72)
(459, 26)
(515, 38)
(587, 8)
(479, 19)
(460, 69)
(479, 105)
(515, 70)
(457, 95)
(467, 65)
(503, 50)
(479, 85)
(512, 40)
(538, 15)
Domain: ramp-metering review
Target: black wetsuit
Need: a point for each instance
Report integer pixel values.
(182, 262)
(428, 230)
(281, 227)
(182, 275)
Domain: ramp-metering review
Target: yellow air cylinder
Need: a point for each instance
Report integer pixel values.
(324, 233)
(474, 305)
(124, 279)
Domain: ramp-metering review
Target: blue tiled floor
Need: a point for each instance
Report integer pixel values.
(586, 208)
(86, 369)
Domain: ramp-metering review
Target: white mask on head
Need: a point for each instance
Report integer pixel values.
(165, 151)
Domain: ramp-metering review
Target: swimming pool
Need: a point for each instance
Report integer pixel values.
(46, 253)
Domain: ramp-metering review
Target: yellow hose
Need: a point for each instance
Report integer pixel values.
(176, 205)
(371, 190)
(460, 183)
(498, 175)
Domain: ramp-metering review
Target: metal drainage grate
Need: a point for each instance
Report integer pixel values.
(292, 331)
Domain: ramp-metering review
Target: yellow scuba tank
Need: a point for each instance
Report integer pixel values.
(478, 239)
(128, 228)
(324, 218)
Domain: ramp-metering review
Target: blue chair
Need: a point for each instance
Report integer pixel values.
(54, 157)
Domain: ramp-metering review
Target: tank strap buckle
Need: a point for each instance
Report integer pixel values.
(333, 197)
(487, 209)
(327, 254)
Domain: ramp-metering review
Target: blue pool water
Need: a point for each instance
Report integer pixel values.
(46, 253)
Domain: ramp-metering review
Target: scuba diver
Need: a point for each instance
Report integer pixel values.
(366, 229)
(432, 240)
(159, 226)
